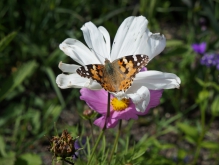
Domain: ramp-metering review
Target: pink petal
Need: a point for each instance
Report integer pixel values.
(128, 113)
(111, 123)
(95, 99)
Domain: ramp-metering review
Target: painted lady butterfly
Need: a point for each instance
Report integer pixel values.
(116, 76)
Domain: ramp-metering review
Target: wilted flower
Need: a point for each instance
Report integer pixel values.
(63, 146)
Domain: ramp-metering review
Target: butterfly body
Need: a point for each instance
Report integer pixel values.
(115, 76)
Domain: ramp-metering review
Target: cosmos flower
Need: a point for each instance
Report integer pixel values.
(199, 48)
(119, 109)
(133, 37)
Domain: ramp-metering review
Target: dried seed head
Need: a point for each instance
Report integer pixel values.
(63, 146)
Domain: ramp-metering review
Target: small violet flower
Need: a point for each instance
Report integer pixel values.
(199, 48)
(78, 146)
(119, 109)
(210, 60)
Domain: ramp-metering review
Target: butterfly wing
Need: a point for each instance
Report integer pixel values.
(116, 76)
(128, 67)
(93, 71)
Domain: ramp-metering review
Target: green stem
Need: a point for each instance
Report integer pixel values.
(116, 141)
(108, 110)
(201, 138)
(64, 160)
(103, 130)
(203, 131)
(95, 146)
(92, 134)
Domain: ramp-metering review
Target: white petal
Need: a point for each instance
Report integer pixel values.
(75, 81)
(142, 48)
(120, 95)
(155, 45)
(128, 36)
(107, 39)
(78, 52)
(68, 68)
(95, 41)
(156, 80)
(141, 99)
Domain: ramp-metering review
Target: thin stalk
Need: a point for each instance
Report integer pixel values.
(92, 134)
(108, 110)
(95, 146)
(103, 130)
(116, 141)
(203, 131)
(64, 160)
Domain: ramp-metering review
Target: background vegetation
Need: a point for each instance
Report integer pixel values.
(182, 130)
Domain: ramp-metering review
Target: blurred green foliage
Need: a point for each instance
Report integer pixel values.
(31, 102)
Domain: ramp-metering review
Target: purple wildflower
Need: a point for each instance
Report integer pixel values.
(199, 48)
(78, 146)
(210, 60)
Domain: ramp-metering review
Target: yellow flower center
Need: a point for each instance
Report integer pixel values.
(119, 105)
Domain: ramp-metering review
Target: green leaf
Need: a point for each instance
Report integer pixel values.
(9, 159)
(210, 145)
(174, 43)
(182, 153)
(167, 146)
(188, 130)
(203, 96)
(17, 78)
(29, 159)
(215, 106)
(11, 112)
(52, 78)
(139, 153)
(207, 84)
(6, 40)
(35, 118)
(2, 147)
(209, 12)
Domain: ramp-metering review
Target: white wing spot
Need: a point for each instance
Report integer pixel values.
(135, 58)
(138, 64)
(87, 74)
(125, 60)
(142, 55)
(85, 67)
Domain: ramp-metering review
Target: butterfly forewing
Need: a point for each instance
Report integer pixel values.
(94, 71)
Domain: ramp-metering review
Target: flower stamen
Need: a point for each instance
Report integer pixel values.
(119, 105)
